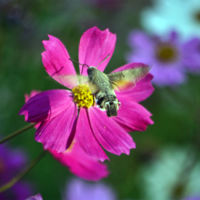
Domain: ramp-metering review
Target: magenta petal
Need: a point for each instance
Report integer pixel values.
(80, 164)
(110, 134)
(132, 116)
(56, 62)
(46, 105)
(86, 139)
(56, 133)
(32, 94)
(27, 97)
(141, 91)
(94, 46)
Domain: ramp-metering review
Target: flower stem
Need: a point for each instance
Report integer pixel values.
(12, 135)
(23, 172)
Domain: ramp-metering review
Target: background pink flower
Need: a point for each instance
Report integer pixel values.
(80, 164)
(58, 113)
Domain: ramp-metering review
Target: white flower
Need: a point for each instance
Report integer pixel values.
(180, 15)
(174, 173)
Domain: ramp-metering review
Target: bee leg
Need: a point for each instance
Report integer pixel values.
(94, 100)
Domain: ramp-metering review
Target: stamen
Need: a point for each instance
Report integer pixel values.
(166, 53)
(83, 96)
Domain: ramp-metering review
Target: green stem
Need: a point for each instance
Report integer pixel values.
(12, 135)
(23, 172)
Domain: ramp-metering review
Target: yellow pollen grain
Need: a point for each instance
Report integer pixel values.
(83, 96)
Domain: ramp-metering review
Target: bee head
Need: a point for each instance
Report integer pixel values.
(91, 71)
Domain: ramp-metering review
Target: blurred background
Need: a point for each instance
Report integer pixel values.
(165, 164)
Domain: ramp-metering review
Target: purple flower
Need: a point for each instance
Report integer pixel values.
(63, 113)
(36, 197)
(193, 197)
(11, 162)
(79, 190)
(191, 53)
(168, 57)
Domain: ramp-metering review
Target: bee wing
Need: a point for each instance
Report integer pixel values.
(82, 80)
(94, 88)
(127, 79)
(71, 78)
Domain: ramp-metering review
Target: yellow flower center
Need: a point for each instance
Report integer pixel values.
(178, 191)
(166, 53)
(83, 96)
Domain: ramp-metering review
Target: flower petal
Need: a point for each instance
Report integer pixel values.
(110, 134)
(86, 139)
(36, 197)
(33, 93)
(77, 189)
(191, 55)
(46, 105)
(57, 132)
(132, 116)
(27, 97)
(94, 46)
(140, 40)
(56, 62)
(80, 164)
(130, 66)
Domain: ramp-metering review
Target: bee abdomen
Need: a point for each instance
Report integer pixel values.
(111, 108)
(109, 103)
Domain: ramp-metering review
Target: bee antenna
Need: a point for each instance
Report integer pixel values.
(103, 60)
(78, 63)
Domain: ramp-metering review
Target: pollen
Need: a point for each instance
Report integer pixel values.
(83, 96)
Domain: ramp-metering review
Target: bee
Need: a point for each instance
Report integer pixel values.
(103, 85)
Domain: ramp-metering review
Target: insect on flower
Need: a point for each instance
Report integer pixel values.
(103, 85)
(65, 114)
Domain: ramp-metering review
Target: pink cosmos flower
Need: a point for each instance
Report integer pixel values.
(75, 159)
(64, 113)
